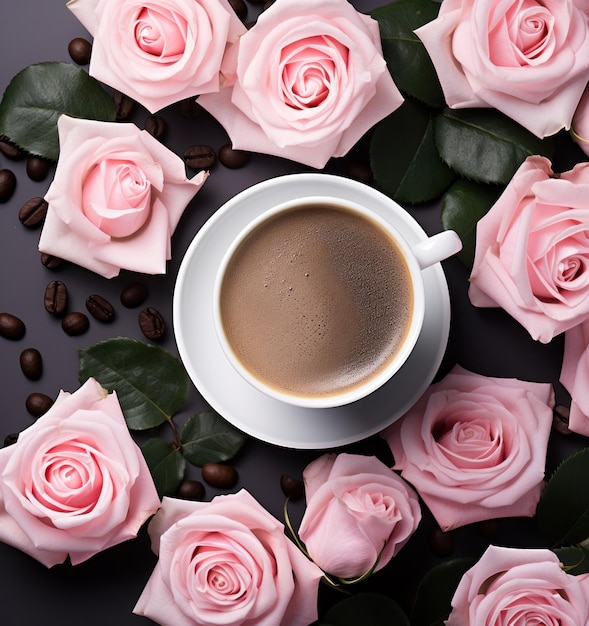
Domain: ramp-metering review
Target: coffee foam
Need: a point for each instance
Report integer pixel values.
(316, 301)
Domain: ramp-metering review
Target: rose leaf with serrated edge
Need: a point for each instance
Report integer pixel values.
(151, 383)
(407, 59)
(166, 465)
(37, 96)
(208, 437)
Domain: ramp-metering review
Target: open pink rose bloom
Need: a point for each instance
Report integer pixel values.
(529, 60)
(310, 81)
(116, 198)
(226, 562)
(159, 53)
(75, 482)
(474, 447)
(574, 376)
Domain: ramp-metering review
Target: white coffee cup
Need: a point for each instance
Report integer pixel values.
(413, 259)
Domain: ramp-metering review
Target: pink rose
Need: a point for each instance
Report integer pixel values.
(159, 52)
(574, 376)
(310, 81)
(116, 198)
(358, 511)
(532, 250)
(510, 586)
(580, 126)
(474, 447)
(226, 562)
(75, 482)
(528, 59)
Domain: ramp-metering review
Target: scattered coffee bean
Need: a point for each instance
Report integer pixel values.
(152, 323)
(80, 50)
(560, 419)
(156, 125)
(123, 105)
(75, 323)
(7, 184)
(199, 157)
(10, 439)
(11, 326)
(50, 261)
(38, 403)
(292, 488)
(32, 213)
(231, 158)
(55, 299)
(359, 170)
(31, 363)
(240, 8)
(441, 542)
(190, 108)
(134, 294)
(191, 490)
(219, 475)
(100, 308)
(37, 168)
(9, 149)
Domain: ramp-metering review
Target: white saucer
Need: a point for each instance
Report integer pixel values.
(237, 401)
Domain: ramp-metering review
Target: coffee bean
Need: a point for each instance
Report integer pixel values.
(11, 326)
(38, 403)
(240, 8)
(292, 488)
(7, 184)
(155, 125)
(123, 105)
(75, 323)
(441, 542)
(10, 439)
(31, 363)
(191, 490)
(199, 157)
(219, 475)
(55, 299)
(9, 149)
(100, 308)
(134, 294)
(80, 50)
(233, 158)
(32, 213)
(37, 168)
(152, 323)
(190, 108)
(50, 261)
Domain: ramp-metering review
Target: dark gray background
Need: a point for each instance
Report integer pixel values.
(105, 589)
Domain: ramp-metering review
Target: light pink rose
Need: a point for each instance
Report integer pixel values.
(474, 446)
(310, 81)
(116, 198)
(532, 250)
(358, 510)
(526, 58)
(574, 376)
(75, 482)
(580, 126)
(159, 52)
(510, 586)
(226, 562)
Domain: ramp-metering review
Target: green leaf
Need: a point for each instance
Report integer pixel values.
(575, 559)
(435, 592)
(368, 609)
(151, 384)
(485, 145)
(166, 464)
(563, 510)
(408, 61)
(208, 437)
(39, 94)
(463, 205)
(404, 158)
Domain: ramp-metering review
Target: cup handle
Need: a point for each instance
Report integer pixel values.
(437, 248)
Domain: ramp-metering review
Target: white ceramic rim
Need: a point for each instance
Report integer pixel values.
(402, 353)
